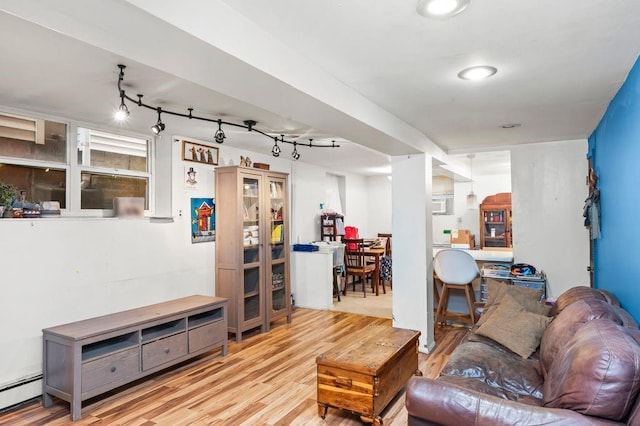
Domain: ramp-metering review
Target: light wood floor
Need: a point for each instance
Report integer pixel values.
(268, 379)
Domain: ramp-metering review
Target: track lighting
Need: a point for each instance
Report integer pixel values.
(276, 149)
(219, 135)
(159, 126)
(123, 112)
(295, 154)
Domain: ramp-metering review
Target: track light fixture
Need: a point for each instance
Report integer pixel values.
(219, 135)
(159, 126)
(276, 149)
(295, 154)
(123, 112)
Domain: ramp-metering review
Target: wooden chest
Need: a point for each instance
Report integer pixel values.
(366, 374)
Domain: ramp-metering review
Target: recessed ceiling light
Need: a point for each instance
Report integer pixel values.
(477, 73)
(441, 8)
(510, 125)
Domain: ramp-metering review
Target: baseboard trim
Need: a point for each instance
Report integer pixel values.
(19, 392)
(427, 349)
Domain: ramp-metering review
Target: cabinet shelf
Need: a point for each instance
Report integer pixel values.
(205, 317)
(109, 346)
(495, 215)
(163, 330)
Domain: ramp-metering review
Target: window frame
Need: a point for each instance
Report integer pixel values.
(73, 170)
(78, 169)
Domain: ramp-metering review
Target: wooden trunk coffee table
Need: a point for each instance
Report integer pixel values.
(364, 375)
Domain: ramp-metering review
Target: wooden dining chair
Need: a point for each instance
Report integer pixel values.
(385, 264)
(387, 251)
(356, 265)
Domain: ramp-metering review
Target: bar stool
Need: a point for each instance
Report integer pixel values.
(456, 269)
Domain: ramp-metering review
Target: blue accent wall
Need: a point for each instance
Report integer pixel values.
(615, 148)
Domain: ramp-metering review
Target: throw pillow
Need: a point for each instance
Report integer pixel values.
(527, 297)
(514, 328)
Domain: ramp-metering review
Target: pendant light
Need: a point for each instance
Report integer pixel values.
(472, 199)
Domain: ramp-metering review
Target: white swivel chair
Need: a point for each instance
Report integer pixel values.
(457, 270)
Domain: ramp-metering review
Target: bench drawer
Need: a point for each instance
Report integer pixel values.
(206, 335)
(164, 350)
(114, 368)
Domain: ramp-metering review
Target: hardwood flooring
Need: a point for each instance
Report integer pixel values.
(268, 379)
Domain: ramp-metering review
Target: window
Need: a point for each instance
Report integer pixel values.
(83, 177)
(33, 156)
(111, 166)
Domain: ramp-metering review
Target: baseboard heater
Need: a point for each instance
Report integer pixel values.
(20, 391)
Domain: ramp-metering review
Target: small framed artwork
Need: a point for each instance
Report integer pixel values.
(190, 181)
(199, 153)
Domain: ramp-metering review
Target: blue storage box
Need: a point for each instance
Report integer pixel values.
(305, 247)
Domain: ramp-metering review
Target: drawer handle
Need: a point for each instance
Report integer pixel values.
(113, 368)
(166, 350)
(344, 382)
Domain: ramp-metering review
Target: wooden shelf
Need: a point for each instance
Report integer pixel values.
(495, 214)
(329, 226)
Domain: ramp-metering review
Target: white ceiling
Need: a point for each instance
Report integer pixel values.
(371, 72)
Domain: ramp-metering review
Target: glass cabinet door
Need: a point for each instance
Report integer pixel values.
(251, 246)
(277, 248)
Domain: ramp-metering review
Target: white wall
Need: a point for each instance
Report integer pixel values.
(549, 190)
(356, 212)
(379, 204)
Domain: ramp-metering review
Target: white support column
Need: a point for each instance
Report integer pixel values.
(413, 246)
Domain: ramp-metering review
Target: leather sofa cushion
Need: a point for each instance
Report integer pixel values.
(627, 320)
(596, 373)
(567, 322)
(495, 368)
(486, 389)
(574, 294)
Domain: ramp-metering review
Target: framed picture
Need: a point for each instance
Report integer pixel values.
(203, 220)
(199, 153)
(190, 181)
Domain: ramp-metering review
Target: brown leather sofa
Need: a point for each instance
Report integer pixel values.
(586, 372)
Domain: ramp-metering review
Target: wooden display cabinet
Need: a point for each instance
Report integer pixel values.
(495, 221)
(252, 247)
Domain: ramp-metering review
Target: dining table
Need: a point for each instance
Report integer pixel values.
(376, 252)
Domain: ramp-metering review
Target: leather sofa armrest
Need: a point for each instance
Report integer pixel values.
(443, 403)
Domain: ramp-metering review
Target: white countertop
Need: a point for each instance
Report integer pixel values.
(486, 255)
